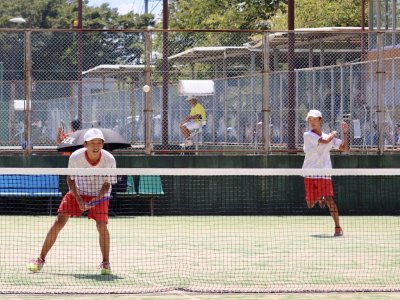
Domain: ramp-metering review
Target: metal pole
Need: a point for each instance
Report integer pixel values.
(28, 89)
(254, 115)
(362, 82)
(291, 75)
(79, 60)
(380, 74)
(225, 76)
(165, 75)
(394, 23)
(12, 114)
(266, 110)
(333, 95)
(148, 96)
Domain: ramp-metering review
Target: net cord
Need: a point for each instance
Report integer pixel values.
(201, 171)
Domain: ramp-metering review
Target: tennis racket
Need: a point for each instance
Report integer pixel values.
(94, 203)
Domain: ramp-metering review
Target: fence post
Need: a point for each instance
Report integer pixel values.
(266, 110)
(148, 110)
(28, 91)
(380, 74)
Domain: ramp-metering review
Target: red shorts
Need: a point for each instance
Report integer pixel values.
(69, 206)
(317, 188)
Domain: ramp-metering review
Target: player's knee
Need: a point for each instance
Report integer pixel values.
(310, 204)
(61, 220)
(330, 202)
(101, 225)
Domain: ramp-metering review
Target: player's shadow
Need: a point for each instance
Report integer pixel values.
(323, 236)
(97, 277)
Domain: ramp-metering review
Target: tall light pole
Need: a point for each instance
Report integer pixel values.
(27, 82)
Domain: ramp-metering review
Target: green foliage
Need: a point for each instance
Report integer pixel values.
(56, 52)
(211, 14)
(59, 14)
(319, 13)
(222, 14)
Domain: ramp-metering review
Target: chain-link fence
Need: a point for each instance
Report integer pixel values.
(256, 87)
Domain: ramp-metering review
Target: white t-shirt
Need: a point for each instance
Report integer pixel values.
(318, 155)
(91, 185)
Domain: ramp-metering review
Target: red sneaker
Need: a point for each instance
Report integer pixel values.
(35, 265)
(338, 231)
(105, 268)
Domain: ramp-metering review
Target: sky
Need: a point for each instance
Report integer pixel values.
(125, 6)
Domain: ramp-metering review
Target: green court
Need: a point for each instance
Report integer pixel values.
(205, 254)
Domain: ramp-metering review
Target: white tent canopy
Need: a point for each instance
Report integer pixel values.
(196, 87)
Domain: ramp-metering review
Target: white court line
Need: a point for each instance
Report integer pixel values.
(181, 293)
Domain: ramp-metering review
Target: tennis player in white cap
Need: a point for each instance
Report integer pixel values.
(317, 147)
(82, 191)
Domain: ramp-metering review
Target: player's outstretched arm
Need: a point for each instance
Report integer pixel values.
(345, 143)
(101, 196)
(331, 136)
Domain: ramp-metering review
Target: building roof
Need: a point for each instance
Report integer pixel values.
(333, 39)
(199, 54)
(113, 70)
(328, 39)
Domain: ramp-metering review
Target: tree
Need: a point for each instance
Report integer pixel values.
(222, 14)
(319, 13)
(54, 53)
(211, 14)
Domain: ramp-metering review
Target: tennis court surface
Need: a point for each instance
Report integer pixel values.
(207, 246)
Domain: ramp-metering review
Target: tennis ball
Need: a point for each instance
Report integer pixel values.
(146, 88)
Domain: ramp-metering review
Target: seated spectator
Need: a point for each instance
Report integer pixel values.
(397, 134)
(192, 121)
(61, 135)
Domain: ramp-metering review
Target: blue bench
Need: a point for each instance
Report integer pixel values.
(30, 186)
(150, 186)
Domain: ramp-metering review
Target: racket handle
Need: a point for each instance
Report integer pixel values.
(103, 199)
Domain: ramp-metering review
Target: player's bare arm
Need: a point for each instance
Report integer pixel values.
(103, 191)
(74, 191)
(345, 145)
(330, 137)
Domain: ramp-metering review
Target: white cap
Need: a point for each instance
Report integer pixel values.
(314, 113)
(190, 98)
(93, 133)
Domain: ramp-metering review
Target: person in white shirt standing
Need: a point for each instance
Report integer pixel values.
(317, 147)
(83, 192)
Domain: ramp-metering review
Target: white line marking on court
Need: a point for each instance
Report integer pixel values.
(184, 294)
(181, 293)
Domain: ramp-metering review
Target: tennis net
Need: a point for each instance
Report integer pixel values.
(204, 230)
